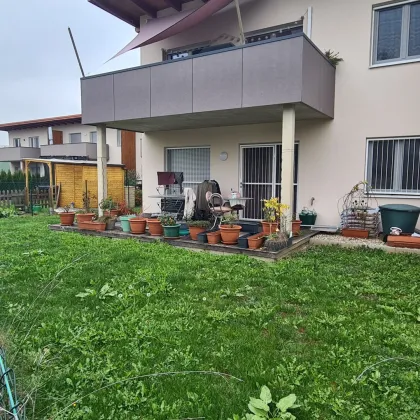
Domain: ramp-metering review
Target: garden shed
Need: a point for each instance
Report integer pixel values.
(71, 178)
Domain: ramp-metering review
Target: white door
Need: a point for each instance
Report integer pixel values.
(260, 176)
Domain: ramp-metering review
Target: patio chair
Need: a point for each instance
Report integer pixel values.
(217, 207)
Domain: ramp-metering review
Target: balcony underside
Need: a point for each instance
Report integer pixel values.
(241, 116)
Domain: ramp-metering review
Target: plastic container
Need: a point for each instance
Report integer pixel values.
(125, 222)
(402, 216)
(243, 240)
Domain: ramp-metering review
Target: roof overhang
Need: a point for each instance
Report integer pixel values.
(45, 122)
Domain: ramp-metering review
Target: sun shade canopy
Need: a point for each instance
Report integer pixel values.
(162, 28)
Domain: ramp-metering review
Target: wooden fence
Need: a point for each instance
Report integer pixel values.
(38, 196)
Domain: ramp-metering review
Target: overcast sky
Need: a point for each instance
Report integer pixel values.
(39, 74)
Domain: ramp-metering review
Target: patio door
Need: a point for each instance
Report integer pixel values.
(260, 176)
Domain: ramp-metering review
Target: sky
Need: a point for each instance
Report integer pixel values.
(39, 73)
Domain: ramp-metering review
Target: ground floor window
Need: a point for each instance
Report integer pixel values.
(260, 176)
(393, 165)
(194, 162)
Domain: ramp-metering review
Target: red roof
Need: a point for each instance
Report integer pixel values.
(44, 122)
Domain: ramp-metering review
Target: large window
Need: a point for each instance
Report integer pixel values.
(393, 166)
(75, 137)
(34, 141)
(194, 162)
(396, 33)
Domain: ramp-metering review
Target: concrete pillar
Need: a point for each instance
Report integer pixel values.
(102, 165)
(288, 160)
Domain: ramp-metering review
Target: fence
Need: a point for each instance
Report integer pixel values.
(37, 195)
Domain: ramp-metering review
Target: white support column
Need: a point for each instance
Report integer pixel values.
(288, 160)
(102, 165)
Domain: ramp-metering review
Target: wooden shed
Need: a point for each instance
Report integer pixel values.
(73, 177)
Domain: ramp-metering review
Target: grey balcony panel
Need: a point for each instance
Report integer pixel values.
(69, 150)
(132, 94)
(171, 88)
(217, 81)
(318, 81)
(98, 99)
(12, 154)
(273, 73)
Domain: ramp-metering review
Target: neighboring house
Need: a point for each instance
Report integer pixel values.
(272, 117)
(66, 138)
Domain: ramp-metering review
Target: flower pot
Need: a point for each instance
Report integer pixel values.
(110, 224)
(84, 217)
(256, 241)
(36, 208)
(171, 232)
(269, 227)
(96, 226)
(115, 213)
(230, 235)
(67, 219)
(213, 238)
(125, 222)
(296, 227)
(155, 227)
(138, 225)
(307, 219)
(355, 233)
(195, 230)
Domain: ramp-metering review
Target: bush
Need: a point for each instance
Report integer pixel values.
(7, 211)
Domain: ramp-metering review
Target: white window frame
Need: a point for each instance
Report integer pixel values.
(404, 57)
(17, 142)
(91, 137)
(399, 157)
(70, 134)
(119, 138)
(33, 139)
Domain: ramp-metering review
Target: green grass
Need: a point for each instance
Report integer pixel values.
(307, 325)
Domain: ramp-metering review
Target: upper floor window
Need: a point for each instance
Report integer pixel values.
(396, 35)
(75, 137)
(393, 165)
(34, 141)
(16, 142)
(93, 136)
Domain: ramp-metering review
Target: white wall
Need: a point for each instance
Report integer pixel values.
(24, 135)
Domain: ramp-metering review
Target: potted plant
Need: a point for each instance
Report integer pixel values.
(229, 231)
(85, 215)
(256, 241)
(67, 216)
(170, 227)
(197, 226)
(109, 221)
(155, 227)
(109, 207)
(213, 238)
(275, 242)
(296, 225)
(307, 216)
(273, 210)
(138, 225)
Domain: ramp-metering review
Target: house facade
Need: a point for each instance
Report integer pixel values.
(263, 111)
(68, 139)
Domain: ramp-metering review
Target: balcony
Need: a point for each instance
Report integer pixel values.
(16, 154)
(240, 85)
(79, 151)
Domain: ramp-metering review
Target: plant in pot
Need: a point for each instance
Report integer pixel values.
(357, 219)
(67, 216)
(280, 239)
(109, 221)
(307, 216)
(214, 237)
(138, 225)
(85, 215)
(197, 226)
(229, 231)
(273, 210)
(170, 227)
(109, 207)
(126, 214)
(296, 225)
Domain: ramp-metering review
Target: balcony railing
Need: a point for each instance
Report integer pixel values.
(16, 154)
(81, 151)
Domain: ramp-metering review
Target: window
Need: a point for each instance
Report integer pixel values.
(93, 136)
(119, 138)
(393, 165)
(16, 142)
(396, 33)
(34, 141)
(274, 32)
(75, 138)
(194, 162)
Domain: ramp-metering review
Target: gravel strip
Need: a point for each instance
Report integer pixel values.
(349, 242)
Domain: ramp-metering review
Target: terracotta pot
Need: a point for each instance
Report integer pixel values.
(296, 227)
(194, 231)
(115, 213)
(213, 238)
(230, 235)
(97, 226)
(269, 227)
(155, 227)
(85, 217)
(256, 241)
(138, 225)
(67, 219)
(355, 233)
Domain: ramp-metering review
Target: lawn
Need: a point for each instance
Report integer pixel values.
(80, 313)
